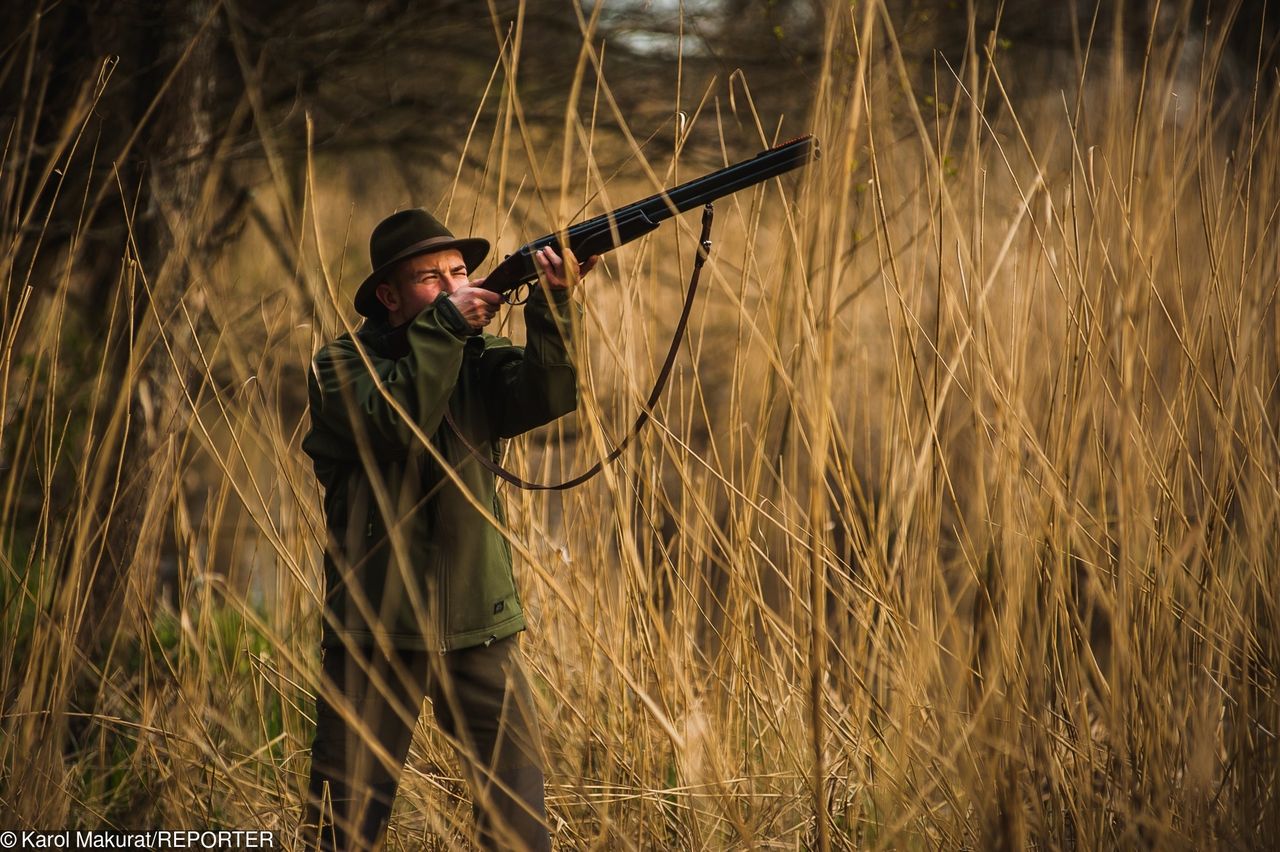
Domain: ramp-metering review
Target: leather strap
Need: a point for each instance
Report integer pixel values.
(704, 249)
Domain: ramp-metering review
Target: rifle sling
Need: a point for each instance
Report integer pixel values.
(704, 248)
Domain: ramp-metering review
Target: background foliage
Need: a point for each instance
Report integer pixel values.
(957, 527)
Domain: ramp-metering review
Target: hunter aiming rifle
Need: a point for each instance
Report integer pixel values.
(618, 227)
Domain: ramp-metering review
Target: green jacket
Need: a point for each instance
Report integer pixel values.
(408, 555)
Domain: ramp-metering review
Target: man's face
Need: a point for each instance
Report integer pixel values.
(419, 281)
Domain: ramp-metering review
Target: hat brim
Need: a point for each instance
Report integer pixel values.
(474, 250)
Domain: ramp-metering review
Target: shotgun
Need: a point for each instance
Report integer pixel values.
(617, 227)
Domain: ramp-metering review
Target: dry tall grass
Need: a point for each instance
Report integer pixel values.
(957, 527)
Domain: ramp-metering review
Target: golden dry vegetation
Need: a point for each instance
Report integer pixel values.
(956, 528)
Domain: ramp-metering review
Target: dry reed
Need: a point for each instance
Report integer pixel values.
(957, 527)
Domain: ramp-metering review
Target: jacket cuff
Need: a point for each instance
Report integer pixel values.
(451, 318)
(552, 296)
(550, 320)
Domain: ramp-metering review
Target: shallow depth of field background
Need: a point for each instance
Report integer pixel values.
(956, 528)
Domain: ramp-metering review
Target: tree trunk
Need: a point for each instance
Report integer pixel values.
(157, 215)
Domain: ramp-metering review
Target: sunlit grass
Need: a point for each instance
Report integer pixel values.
(963, 498)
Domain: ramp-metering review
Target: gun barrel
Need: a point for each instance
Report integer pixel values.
(728, 180)
(617, 227)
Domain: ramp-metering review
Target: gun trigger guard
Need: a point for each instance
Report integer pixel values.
(510, 297)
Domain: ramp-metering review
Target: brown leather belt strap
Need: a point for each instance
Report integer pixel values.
(704, 249)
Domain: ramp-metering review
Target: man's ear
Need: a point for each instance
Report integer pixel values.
(388, 296)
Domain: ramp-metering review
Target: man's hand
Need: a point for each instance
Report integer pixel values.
(476, 304)
(553, 268)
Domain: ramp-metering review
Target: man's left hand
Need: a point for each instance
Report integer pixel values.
(552, 267)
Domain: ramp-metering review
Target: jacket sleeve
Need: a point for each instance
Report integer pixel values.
(347, 403)
(527, 387)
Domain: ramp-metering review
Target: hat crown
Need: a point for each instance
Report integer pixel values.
(401, 230)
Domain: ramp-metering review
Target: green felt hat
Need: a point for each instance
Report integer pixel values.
(404, 235)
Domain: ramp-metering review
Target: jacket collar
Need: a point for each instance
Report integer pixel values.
(383, 338)
(392, 341)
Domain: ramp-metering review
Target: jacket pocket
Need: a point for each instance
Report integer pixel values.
(479, 590)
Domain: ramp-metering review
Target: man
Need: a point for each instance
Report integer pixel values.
(420, 599)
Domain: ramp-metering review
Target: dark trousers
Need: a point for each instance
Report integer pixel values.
(366, 709)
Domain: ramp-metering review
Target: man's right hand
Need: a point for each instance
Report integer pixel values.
(476, 304)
